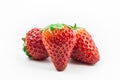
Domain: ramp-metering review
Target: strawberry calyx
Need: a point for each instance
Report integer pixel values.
(54, 26)
(76, 27)
(59, 26)
(24, 48)
(26, 52)
(73, 27)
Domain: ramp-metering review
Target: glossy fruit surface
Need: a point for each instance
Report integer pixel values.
(85, 49)
(59, 41)
(33, 45)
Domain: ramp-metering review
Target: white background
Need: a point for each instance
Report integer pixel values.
(100, 17)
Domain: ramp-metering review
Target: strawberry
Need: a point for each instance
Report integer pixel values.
(85, 49)
(33, 45)
(59, 40)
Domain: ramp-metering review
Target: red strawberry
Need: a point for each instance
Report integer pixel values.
(33, 45)
(85, 49)
(59, 40)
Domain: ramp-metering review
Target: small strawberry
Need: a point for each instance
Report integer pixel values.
(33, 45)
(59, 40)
(85, 49)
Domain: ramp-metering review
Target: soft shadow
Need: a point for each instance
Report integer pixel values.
(41, 61)
(40, 64)
(75, 62)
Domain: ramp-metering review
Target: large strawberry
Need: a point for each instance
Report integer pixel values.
(33, 45)
(85, 49)
(59, 40)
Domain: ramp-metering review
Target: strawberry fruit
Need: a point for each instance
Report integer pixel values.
(85, 49)
(59, 40)
(33, 45)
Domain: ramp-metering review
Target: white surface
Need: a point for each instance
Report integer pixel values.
(101, 18)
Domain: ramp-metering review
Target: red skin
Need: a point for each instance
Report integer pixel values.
(34, 44)
(85, 49)
(59, 44)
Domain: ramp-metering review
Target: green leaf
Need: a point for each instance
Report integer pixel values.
(26, 52)
(23, 39)
(72, 27)
(75, 26)
(54, 26)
